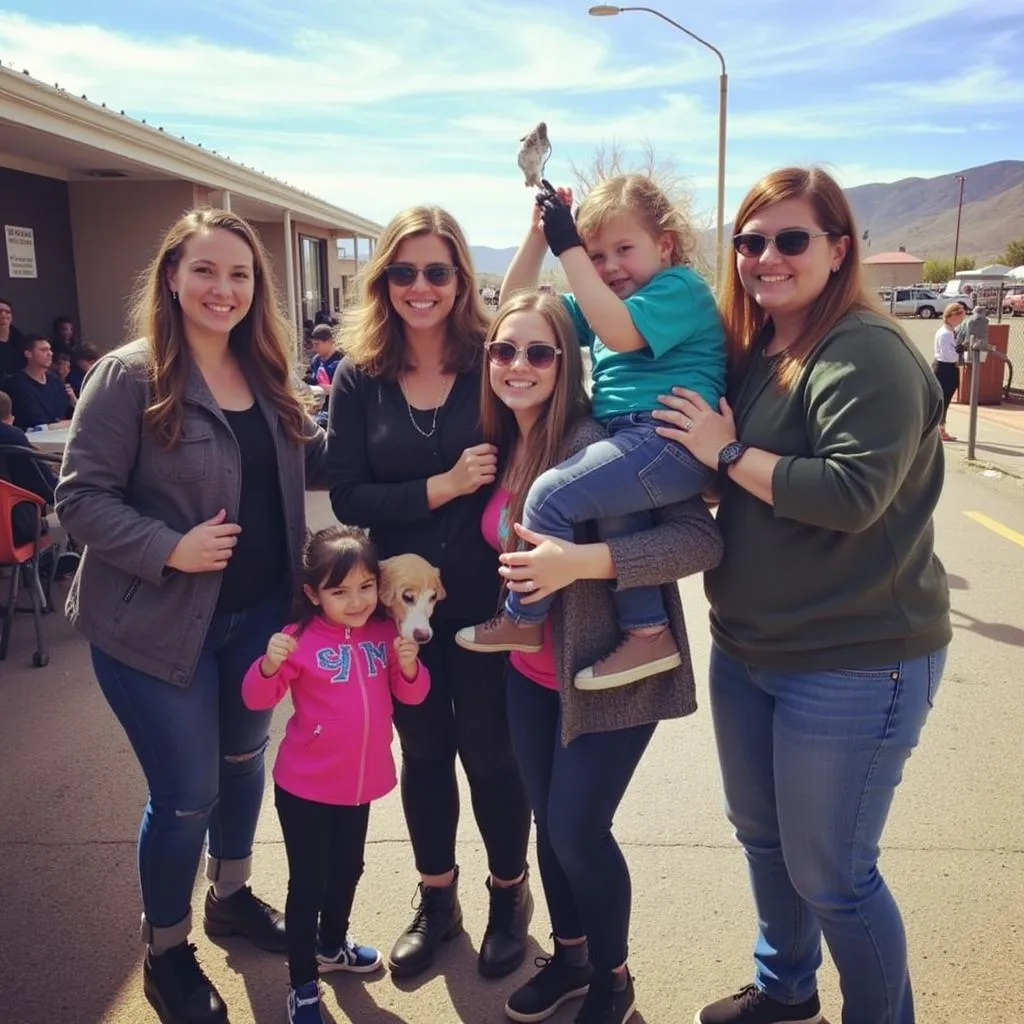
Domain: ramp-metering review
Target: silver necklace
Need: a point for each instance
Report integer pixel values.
(441, 399)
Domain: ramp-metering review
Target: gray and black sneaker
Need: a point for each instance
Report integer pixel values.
(565, 975)
(751, 1005)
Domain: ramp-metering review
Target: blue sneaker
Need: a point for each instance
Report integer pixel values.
(304, 1004)
(349, 957)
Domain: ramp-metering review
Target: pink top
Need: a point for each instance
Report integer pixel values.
(337, 745)
(539, 667)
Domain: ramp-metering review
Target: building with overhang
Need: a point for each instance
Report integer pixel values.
(87, 192)
(892, 269)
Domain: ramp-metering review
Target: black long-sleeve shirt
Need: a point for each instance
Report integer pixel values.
(378, 465)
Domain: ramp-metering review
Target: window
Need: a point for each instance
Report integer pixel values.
(313, 276)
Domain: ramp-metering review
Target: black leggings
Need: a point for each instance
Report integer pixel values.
(463, 714)
(948, 375)
(324, 844)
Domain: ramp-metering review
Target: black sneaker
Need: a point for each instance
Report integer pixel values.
(753, 1006)
(565, 975)
(243, 913)
(179, 991)
(611, 999)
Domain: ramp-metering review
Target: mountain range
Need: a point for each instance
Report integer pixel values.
(916, 213)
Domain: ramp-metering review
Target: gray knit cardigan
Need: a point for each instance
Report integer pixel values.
(683, 540)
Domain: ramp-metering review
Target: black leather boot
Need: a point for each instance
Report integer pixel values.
(438, 919)
(179, 991)
(504, 945)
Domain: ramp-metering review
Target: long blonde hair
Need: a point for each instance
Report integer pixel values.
(640, 196)
(843, 293)
(373, 334)
(545, 445)
(263, 341)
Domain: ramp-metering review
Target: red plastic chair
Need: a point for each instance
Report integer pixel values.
(22, 559)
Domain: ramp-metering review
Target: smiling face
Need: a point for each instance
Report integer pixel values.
(422, 305)
(6, 316)
(522, 387)
(351, 602)
(626, 255)
(788, 285)
(215, 282)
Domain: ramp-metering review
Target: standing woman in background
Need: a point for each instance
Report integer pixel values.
(945, 365)
(185, 476)
(408, 462)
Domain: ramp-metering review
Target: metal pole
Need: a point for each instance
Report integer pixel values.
(972, 430)
(959, 207)
(723, 102)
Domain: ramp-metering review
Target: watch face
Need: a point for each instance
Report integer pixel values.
(731, 452)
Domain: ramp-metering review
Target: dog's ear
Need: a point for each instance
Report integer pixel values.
(438, 585)
(386, 593)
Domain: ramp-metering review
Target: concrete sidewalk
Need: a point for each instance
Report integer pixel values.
(1000, 438)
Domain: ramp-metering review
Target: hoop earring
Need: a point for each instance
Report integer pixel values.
(174, 296)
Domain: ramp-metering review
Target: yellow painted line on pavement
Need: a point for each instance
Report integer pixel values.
(996, 527)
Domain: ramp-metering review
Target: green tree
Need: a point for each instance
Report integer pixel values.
(940, 271)
(1014, 255)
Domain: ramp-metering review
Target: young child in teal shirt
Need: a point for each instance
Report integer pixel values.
(651, 323)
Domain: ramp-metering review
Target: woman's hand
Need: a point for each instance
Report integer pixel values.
(551, 565)
(476, 467)
(407, 652)
(691, 422)
(206, 547)
(279, 647)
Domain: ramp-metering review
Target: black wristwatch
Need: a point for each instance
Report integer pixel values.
(731, 454)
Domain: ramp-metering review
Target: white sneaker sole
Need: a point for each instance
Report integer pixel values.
(533, 1018)
(464, 638)
(624, 678)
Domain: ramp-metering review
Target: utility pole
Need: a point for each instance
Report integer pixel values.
(959, 206)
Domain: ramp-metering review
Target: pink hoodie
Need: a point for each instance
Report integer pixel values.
(337, 745)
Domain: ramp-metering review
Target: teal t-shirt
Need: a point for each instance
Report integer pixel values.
(675, 313)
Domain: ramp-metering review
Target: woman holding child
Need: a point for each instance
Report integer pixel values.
(184, 476)
(829, 610)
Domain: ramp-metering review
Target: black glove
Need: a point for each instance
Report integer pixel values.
(559, 224)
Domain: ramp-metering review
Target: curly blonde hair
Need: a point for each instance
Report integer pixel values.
(373, 334)
(640, 196)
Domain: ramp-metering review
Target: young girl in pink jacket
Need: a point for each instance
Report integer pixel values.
(343, 663)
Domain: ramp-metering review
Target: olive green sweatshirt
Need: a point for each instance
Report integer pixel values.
(841, 572)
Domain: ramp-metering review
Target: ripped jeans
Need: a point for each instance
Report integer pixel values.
(201, 750)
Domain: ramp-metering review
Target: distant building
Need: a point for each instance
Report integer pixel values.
(892, 269)
(86, 194)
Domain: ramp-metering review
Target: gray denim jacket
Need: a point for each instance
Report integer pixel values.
(130, 502)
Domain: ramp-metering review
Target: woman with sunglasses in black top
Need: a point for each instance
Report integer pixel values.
(408, 461)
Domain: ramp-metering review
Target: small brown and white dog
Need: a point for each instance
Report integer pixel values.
(410, 587)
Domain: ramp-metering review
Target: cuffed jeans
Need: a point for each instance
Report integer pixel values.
(810, 763)
(575, 791)
(617, 482)
(201, 750)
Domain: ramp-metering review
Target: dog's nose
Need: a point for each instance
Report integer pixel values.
(421, 636)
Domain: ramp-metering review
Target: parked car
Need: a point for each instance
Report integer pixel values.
(922, 302)
(1013, 302)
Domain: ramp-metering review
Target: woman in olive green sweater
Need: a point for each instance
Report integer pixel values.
(830, 610)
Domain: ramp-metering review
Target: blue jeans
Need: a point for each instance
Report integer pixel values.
(810, 763)
(201, 750)
(575, 792)
(617, 482)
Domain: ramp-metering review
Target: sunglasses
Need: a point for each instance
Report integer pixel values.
(404, 274)
(539, 354)
(791, 242)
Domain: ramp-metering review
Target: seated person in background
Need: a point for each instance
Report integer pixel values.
(62, 366)
(63, 338)
(11, 341)
(40, 397)
(83, 355)
(325, 359)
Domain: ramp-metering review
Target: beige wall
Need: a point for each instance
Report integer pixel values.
(272, 236)
(892, 275)
(116, 228)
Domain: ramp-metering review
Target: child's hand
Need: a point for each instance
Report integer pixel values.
(278, 649)
(537, 214)
(407, 652)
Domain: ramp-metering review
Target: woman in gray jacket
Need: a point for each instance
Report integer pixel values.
(577, 749)
(185, 476)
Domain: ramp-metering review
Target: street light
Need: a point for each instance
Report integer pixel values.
(606, 10)
(959, 206)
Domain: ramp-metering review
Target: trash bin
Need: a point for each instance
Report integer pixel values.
(991, 372)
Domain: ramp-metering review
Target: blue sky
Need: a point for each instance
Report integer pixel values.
(379, 104)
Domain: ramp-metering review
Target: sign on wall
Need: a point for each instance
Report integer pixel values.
(21, 251)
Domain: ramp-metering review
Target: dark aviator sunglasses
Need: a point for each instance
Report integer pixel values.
(539, 354)
(404, 274)
(791, 242)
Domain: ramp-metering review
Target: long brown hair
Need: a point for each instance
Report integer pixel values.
(263, 341)
(373, 334)
(843, 293)
(545, 445)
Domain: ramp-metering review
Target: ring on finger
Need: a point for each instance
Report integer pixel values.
(687, 424)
